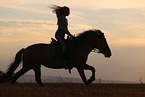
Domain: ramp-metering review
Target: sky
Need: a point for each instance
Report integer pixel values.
(25, 22)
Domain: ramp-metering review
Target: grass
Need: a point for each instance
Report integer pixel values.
(71, 90)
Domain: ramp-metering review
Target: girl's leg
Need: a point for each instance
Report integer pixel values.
(61, 41)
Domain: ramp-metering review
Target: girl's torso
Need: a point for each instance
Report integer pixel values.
(59, 31)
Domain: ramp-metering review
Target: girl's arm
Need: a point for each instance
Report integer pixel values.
(62, 27)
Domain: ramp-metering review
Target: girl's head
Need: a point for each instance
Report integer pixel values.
(60, 11)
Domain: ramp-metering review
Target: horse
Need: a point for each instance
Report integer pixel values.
(39, 54)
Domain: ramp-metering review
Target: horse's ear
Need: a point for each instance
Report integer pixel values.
(100, 34)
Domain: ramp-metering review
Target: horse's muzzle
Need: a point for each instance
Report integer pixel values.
(108, 55)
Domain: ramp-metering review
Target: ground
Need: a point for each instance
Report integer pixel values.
(71, 90)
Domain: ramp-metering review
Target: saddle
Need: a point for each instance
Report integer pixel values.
(56, 49)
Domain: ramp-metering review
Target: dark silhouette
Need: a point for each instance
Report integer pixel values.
(40, 54)
(62, 22)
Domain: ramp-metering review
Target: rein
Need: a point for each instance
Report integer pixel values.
(94, 50)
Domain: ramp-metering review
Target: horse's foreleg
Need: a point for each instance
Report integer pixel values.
(82, 74)
(92, 78)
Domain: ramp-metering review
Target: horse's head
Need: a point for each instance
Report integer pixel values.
(96, 39)
(102, 45)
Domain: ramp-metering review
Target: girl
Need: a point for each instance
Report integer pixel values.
(61, 13)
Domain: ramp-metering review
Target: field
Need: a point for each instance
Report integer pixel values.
(71, 90)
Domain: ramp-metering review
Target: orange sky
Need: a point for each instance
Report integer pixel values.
(26, 22)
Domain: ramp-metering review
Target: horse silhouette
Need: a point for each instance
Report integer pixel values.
(40, 54)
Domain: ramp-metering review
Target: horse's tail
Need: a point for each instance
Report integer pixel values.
(14, 65)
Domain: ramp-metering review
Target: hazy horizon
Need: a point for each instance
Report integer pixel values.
(25, 22)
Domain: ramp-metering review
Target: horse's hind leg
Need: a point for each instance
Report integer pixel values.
(37, 71)
(20, 73)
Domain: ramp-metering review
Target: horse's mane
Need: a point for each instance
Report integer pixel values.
(81, 38)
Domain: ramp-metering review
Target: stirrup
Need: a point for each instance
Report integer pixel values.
(66, 63)
(69, 70)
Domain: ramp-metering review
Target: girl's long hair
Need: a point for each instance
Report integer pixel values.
(59, 11)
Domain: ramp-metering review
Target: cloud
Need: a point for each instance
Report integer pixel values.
(118, 22)
(27, 8)
(38, 30)
(80, 26)
(126, 42)
(82, 4)
(27, 29)
(95, 4)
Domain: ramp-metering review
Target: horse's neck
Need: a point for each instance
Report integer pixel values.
(87, 47)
